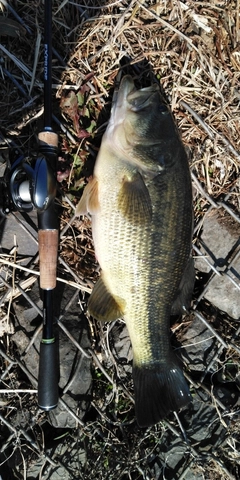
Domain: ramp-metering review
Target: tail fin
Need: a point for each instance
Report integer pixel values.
(159, 389)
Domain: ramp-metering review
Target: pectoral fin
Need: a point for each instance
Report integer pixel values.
(134, 200)
(89, 201)
(102, 305)
(184, 294)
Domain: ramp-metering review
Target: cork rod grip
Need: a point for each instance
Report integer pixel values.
(48, 252)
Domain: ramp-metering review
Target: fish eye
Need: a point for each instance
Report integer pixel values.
(163, 108)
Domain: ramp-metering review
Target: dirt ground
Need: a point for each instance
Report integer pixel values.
(192, 49)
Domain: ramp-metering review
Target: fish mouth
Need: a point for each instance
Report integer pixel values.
(128, 96)
(140, 99)
(136, 99)
(120, 95)
(129, 99)
(127, 86)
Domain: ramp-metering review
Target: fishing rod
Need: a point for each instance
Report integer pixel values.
(28, 184)
(48, 233)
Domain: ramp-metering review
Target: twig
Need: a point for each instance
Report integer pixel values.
(64, 129)
(16, 83)
(168, 25)
(198, 315)
(19, 19)
(17, 390)
(17, 62)
(34, 272)
(208, 130)
(203, 192)
(36, 57)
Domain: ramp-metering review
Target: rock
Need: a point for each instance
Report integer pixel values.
(219, 241)
(198, 346)
(26, 245)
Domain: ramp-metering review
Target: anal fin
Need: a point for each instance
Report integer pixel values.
(184, 293)
(102, 305)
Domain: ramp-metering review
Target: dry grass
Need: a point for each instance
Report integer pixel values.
(192, 48)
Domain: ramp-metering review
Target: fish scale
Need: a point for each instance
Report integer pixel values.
(141, 204)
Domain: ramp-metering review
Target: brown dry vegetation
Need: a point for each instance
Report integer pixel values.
(193, 49)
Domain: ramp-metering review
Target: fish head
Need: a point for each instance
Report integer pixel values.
(141, 126)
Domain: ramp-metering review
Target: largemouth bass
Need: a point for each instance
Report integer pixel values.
(140, 199)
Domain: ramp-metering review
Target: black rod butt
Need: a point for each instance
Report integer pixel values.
(48, 375)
